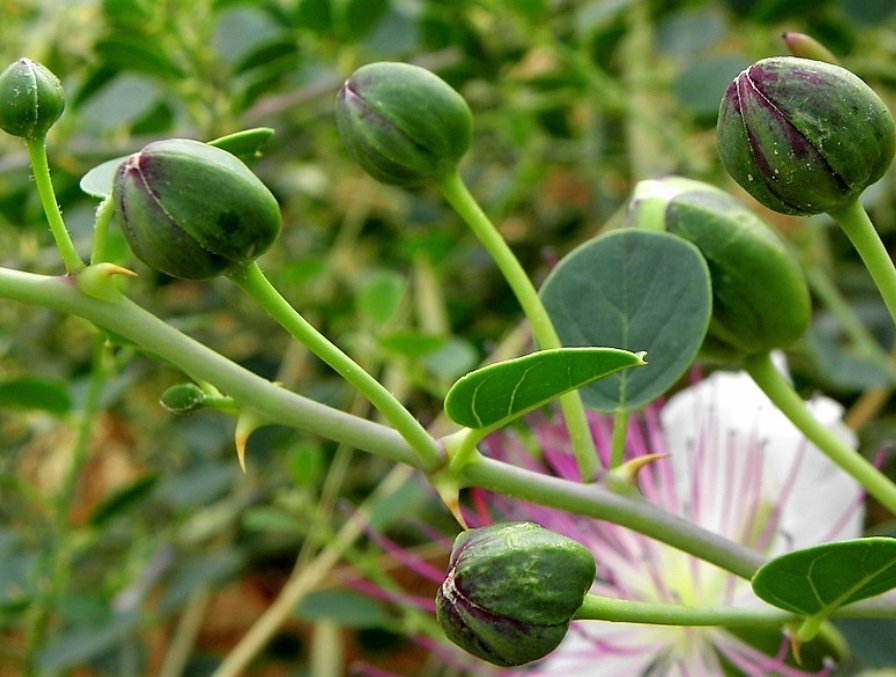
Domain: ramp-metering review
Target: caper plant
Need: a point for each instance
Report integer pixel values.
(802, 136)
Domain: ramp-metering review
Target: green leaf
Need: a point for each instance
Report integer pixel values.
(500, 392)
(347, 608)
(244, 144)
(817, 581)
(137, 53)
(123, 500)
(35, 393)
(73, 649)
(381, 296)
(635, 290)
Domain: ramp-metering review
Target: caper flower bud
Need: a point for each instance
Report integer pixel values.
(804, 136)
(31, 99)
(193, 211)
(403, 124)
(511, 591)
(760, 298)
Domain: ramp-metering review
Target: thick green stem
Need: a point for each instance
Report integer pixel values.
(37, 153)
(279, 405)
(455, 192)
(597, 501)
(271, 402)
(253, 281)
(854, 221)
(785, 398)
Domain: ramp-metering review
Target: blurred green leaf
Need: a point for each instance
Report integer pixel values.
(72, 649)
(207, 569)
(347, 608)
(634, 290)
(305, 463)
(501, 392)
(689, 31)
(381, 296)
(411, 343)
(125, 499)
(268, 519)
(28, 392)
(135, 53)
(700, 86)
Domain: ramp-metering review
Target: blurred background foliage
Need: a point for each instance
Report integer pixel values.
(130, 543)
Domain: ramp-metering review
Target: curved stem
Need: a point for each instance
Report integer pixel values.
(273, 403)
(854, 221)
(37, 154)
(783, 396)
(253, 281)
(128, 320)
(632, 512)
(455, 192)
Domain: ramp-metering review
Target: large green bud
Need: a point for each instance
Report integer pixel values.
(760, 298)
(803, 136)
(511, 591)
(192, 210)
(403, 124)
(31, 99)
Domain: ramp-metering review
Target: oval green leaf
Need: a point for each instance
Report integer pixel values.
(817, 581)
(97, 182)
(496, 394)
(635, 290)
(35, 393)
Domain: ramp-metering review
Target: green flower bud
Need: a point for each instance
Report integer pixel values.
(760, 298)
(192, 210)
(183, 399)
(403, 124)
(511, 591)
(803, 136)
(31, 99)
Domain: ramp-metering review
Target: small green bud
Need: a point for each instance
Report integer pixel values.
(403, 124)
(512, 590)
(183, 399)
(760, 298)
(192, 210)
(804, 136)
(31, 99)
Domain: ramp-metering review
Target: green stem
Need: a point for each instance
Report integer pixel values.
(854, 221)
(104, 213)
(597, 608)
(455, 192)
(201, 363)
(620, 431)
(37, 153)
(253, 281)
(785, 398)
(279, 405)
(632, 512)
